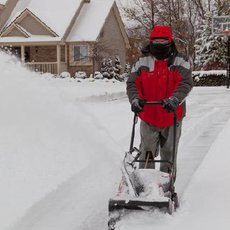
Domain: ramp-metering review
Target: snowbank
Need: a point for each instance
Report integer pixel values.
(46, 134)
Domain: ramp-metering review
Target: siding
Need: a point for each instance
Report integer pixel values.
(6, 11)
(33, 26)
(112, 37)
(15, 33)
(43, 53)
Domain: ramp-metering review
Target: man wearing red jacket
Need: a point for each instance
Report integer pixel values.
(161, 74)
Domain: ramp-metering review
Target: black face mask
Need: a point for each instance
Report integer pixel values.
(160, 51)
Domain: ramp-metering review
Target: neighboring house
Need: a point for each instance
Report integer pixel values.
(63, 35)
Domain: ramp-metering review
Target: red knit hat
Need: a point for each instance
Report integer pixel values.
(160, 31)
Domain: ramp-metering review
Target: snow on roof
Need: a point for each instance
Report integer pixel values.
(3, 2)
(90, 21)
(34, 38)
(55, 14)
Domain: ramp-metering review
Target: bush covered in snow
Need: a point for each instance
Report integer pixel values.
(97, 75)
(209, 78)
(65, 75)
(80, 74)
(111, 69)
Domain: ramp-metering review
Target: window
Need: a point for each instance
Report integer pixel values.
(81, 54)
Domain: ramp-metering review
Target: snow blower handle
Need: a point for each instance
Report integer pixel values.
(153, 103)
(135, 119)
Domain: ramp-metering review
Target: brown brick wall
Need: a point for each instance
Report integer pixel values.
(43, 53)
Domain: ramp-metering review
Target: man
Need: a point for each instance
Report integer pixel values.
(161, 74)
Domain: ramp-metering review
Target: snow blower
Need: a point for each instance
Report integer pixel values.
(143, 189)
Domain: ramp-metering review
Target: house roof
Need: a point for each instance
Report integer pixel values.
(66, 20)
(55, 14)
(90, 21)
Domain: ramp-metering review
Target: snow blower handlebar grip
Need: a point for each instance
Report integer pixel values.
(153, 103)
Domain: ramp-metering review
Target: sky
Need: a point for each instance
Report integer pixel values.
(61, 146)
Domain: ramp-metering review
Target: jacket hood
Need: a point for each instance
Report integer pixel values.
(160, 31)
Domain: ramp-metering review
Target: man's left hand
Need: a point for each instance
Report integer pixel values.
(170, 104)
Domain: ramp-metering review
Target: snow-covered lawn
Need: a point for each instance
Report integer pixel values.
(61, 143)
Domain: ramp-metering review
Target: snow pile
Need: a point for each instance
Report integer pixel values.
(45, 136)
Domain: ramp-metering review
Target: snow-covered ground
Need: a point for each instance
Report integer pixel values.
(61, 143)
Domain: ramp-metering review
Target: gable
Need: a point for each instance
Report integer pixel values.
(29, 23)
(16, 32)
(54, 14)
(117, 33)
(121, 25)
(114, 33)
(33, 26)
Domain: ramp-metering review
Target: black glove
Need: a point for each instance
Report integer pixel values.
(170, 104)
(137, 105)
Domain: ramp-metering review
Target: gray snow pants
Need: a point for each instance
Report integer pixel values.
(158, 140)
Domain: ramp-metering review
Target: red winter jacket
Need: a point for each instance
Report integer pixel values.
(153, 79)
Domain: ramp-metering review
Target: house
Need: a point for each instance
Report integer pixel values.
(65, 35)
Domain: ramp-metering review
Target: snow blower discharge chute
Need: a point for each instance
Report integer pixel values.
(143, 189)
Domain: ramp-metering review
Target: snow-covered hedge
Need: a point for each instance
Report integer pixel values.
(80, 74)
(65, 75)
(97, 75)
(209, 78)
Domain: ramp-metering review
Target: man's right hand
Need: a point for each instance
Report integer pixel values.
(137, 105)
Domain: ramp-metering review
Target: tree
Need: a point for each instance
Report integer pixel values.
(188, 19)
(117, 66)
(209, 48)
(107, 68)
(99, 51)
(222, 7)
(179, 14)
